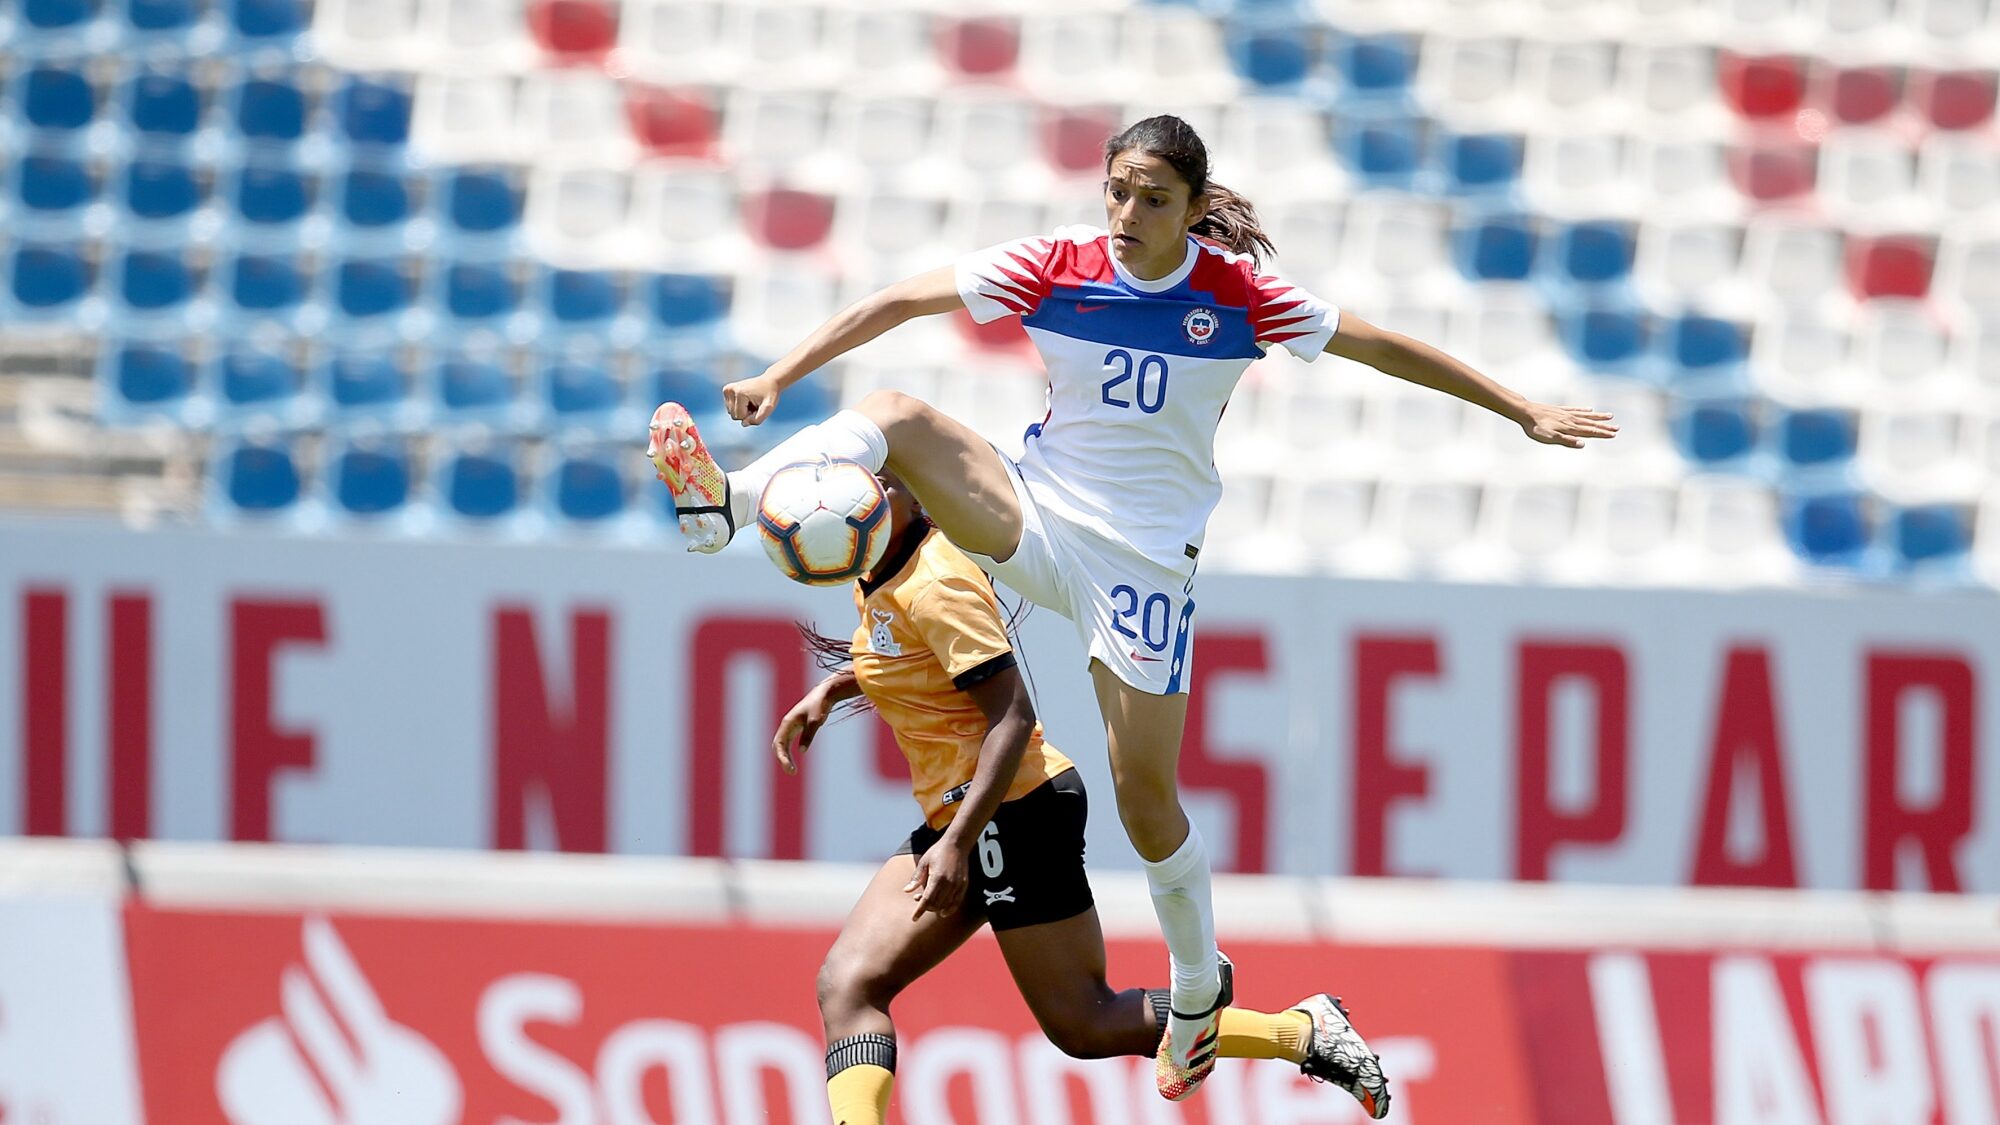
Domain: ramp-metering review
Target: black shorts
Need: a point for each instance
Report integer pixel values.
(1027, 867)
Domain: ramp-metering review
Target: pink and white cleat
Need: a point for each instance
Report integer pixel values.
(700, 487)
(1177, 1077)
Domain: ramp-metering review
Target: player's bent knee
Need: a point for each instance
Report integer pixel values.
(850, 984)
(1081, 1038)
(888, 408)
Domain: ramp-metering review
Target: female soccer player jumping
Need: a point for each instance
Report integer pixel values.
(1001, 841)
(1144, 328)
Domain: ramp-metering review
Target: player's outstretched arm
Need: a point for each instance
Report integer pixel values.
(802, 722)
(1393, 353)
(944, 871)
(750, 401)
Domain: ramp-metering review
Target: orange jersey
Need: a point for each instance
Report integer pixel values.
(930, 628)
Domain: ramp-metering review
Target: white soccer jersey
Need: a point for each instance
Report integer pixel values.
(1139, 373)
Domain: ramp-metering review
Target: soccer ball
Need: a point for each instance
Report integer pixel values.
(825, 521)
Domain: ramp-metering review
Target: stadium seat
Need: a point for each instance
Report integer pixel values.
(587, 487)
(1928, 538)
(1892, 266)
(1575, 173)
(264, 283)
(1867, 179)
(1913, 450)
(1900, 343)
(581, 392)
(1730, 528)
(684, 217)
(788, 219)
(269, 107)
(145, 377)
(577, 215)
(480, 201)
(1789, 261)
(673, 121)
(683, 382)
(677, 41)
(369, 34)
(47, 279)
(1273, 59)
(1591, 253)
(1681, 175)
(479, 291)
(1702, 347)
(465, 118)
(1771, 169)
(1564, 76)
(1958, 176)
(1968, 275)
(1425, 521)
(581, 299)
(1073, 139)
(1389, 235)
(578, 115)
(364, 383)
(159, 189)
(1954, 100)
(1715, 434)
(1800, 353)
(1857, 95)
(1828, 528)
(1460, 75)
(153, 281)
(478, 36)
(1685, 263)
(984, 48)
(764, 37)
(1669, 79)
(44, 17)
(681, 302)
(1380, 150)
(271, 195)
(1472, 163)
(573, 30)
(57, 98)
(365, 289)
(1496, 248)
(369, 478)
(53, 189)
(1608, 339)
(881, 131)
(371, 200)
(474, 389)
(1374, 66)
(480, 483)
(259, 22)
(1076, 50)
(373, 111)
(162, 105)
(1813, 438)
(1761, 87)
(256, 378)
(148, 21)
(258, 477)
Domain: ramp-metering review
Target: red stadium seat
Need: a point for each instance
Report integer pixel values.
(677, 122)
(1772, 169)
(1890, 266)
(1956, 99)
(1073, 139)
(788, 219)
(574, 30)
(1761, 86)
(979, 48)
(1857, 95)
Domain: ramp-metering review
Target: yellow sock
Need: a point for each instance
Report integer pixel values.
(1264, 1035)
(859, 1095)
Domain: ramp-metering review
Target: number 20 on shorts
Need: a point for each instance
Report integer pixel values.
(1152, 613)
(1147, 374)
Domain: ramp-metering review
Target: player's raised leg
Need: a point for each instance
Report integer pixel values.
(952, 471)
(879, 952)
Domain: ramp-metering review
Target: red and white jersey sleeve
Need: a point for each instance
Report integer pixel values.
(1005, 280)
(1286, 316)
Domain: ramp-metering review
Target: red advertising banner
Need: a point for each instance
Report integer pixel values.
(284, 1019)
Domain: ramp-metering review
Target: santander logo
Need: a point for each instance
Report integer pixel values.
(332, 1055)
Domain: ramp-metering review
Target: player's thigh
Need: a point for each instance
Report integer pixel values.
(956, 475)
(1142, 731)
(1058, 966)
(881, 949)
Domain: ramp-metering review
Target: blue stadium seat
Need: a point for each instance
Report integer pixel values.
(266, 283)
(1275, 57)
(1815, 437)
(258, 476)
(157, 190)
(1475, 163)
(373, 112)
(1928, 535)
(47, 279)
(365, 382)
(581, 392)
(697, 390)
(1608, 339)
(370, 478)
(372, 200)
(269, 108)
(57, 98)
(1715, 433)
(52, 187)
(480, 201)
(254, 378)
(1592, 253)
(153, 281)
(160, 17)
(1496, 248)
(1374, 66)
(1384, 150)
(474, 388)
(372, 287)
(44, 16)
(682, 301)
(1827, 528)
(146, 376)
(266, 19)
(162, 104)
(794, 411)
(479, 291)
(1699, 346)
(480, 484)
(271, 194)
(588, 487)
(581, 298)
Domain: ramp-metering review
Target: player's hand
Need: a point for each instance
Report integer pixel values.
(1566, 425)
(750, 401)
(940, 879)
(798, 727)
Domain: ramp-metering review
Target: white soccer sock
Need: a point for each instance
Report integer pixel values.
(847, 434)
(1186, 909)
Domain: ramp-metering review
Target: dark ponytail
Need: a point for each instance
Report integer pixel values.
(832, 655)
(1231, 221)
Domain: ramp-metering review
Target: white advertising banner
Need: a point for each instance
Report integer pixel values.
(194, 685)
(66, 1047)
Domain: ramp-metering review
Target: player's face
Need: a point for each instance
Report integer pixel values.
(1148, 209)
(902, 505)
